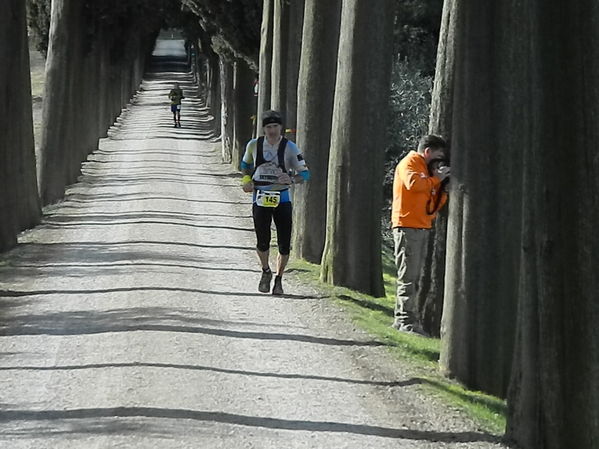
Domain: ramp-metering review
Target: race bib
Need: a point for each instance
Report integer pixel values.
(268, 199)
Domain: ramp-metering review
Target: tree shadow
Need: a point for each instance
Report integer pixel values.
(83, 221)
(143, 315)
(84, 322)
(368, 304)
(147, 173)
(297, 270)
(95, 414)
(137, 180)
(85, 270)
(145, 217)
(145, 182)
(497, 406)
(150, 214)
(197, 159)
(166, 137)
(94, 247)
(108, 197)
(288, 376)
(106, 253)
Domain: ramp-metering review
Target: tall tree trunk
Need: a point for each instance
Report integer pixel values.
(84, 137)
(488, 133)
(554, 395)
(278, 70)
(56, 135)
(19, 202)
(316, 91)
(294, 49)
(215, 94)
(264, 79)
(203, 67)
(432, 281)
(103, 87)
(227, 109)
(245, 105)
(352, 253)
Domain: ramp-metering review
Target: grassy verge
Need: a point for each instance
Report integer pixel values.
(375, 316)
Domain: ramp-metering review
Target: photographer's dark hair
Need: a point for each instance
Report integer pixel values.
(432, 141)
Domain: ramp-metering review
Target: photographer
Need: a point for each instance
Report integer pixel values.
(418, 194)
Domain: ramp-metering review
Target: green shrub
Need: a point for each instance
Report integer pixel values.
(38, 20)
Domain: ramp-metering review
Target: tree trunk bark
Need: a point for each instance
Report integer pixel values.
(489, 130)
(432, 280)
(554, 394)
(264, 79)
(227, 109)
(215, 94)
(316, 91)
(280, 41)
(245, 106)
(294, 49)
(55, 141)
(352, 253)
(19, 202)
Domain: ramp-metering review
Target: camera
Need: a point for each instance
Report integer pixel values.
(434, 165)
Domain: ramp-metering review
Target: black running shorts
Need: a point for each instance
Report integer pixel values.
(263, 217)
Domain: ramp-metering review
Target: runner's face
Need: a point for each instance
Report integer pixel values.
(272, 130)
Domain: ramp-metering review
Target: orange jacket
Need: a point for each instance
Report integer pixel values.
(413, 190)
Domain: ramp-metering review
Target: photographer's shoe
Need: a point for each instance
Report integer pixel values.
(414, 328)
(264, 285)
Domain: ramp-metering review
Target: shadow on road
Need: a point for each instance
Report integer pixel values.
(86, 322)
(92, 415)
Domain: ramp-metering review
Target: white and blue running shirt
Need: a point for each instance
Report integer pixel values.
(293, 160)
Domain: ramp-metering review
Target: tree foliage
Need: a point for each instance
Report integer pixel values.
(416, 32)
(233, 26)
(38, 20)
(125, 22)
(122, 21)
(234, 23)
(409, 107)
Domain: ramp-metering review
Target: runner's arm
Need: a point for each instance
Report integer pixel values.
(247, 167)
(295, 160)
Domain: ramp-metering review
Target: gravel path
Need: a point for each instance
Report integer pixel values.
(131, 319)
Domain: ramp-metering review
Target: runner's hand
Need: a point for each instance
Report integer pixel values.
(284, 178)
(248, 187)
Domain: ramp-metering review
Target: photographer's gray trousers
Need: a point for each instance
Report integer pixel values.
(410, 252)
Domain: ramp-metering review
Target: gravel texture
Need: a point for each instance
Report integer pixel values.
(131, 318)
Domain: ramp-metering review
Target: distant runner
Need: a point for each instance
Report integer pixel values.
(270, 165)
(176, 95)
